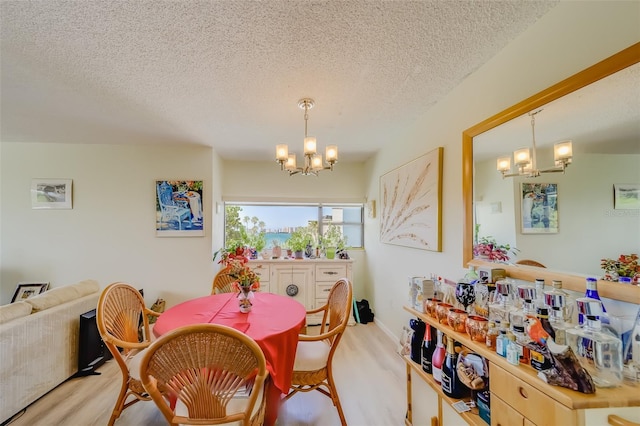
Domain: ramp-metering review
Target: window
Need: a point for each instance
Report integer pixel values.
(245, 220)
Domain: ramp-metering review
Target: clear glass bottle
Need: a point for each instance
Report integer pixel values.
(539, 296)
(521, 342)
(556, 301)
(492, 334)
(599, 352)
(471, 276)
(567, 308)
(527, 295)
(504, 301)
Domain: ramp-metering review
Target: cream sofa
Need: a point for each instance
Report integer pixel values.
(39, 343)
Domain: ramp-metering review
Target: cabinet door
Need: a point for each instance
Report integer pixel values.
(294, 282)
(503, 415)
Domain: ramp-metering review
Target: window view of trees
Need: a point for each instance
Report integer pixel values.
(264, 226)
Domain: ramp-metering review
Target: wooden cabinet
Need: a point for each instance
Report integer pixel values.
(520, 397)
(308, 281)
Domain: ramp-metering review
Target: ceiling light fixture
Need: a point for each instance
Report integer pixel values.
(525, 158)
(312, 161)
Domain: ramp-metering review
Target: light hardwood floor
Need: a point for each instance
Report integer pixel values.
(370, 377)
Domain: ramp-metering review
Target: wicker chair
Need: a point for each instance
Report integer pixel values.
(121, 315)
(529, 262)
(312, 369)
(213, 374)
(222, 282)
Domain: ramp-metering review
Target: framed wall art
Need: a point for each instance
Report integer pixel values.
(411, 200)
(51, 193)
(626, 196)
(539, 202)
(27, 290)
(179, 211)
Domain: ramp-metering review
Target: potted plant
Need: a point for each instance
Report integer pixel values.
(625, 266)
(299, 240)
(333, 241)
(488, 248)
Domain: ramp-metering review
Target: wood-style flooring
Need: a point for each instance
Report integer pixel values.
(370, 377)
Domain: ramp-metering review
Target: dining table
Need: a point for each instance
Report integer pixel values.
(274, 322)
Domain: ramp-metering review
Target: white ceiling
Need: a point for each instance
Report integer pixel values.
(229, 74)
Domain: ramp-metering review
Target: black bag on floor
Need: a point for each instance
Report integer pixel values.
(364, 312)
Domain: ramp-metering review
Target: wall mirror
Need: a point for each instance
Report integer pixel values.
(578, 108)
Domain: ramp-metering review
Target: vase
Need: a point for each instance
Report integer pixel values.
(330, 252)
(276, 252)
(245, 298)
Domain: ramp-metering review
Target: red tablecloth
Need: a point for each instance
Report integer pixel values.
(274, 323)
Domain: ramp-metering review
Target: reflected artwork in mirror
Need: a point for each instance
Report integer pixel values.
(606, 151)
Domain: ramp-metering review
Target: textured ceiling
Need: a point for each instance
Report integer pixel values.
(228, 74)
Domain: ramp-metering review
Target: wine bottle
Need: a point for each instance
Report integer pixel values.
(427, 349)
(451, 384)
(438, 359)
(418, 327)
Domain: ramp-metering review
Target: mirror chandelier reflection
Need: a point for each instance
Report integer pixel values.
(312, 160)
(525, 158)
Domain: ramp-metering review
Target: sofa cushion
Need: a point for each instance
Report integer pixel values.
(59, 295)
(13, 311)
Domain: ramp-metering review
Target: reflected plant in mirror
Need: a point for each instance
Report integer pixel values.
(487, 248)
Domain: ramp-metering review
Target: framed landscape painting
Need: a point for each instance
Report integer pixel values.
(626, 196)
(411, 212)
(51, 193)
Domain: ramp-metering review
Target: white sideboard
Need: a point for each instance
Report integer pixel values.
(308, 280)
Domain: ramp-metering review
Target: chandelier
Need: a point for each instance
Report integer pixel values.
(525, 158)
(312, 160)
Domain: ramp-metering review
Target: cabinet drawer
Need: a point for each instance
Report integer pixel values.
(322, 291)
(330, 273)
(527, 400)
(262, 270)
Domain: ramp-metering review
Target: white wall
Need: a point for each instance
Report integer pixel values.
(571, 37)
(109, 235)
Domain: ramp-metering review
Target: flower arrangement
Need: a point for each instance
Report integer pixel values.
(245, 278)
(626, 265)
(489, 248)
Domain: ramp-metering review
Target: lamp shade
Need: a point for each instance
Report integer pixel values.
(522, 157)
(291, 162)
(316, 162)
(282, 152)
(504, 164)
(562, 151)
(309, 145)
(331, 153)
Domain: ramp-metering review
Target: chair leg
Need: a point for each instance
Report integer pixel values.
(336, 400)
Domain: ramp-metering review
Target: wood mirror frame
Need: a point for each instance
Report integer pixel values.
(609, 66)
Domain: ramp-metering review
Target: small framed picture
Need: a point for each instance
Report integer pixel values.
(27, 290)
(626, 196)
(539, 207)
(51, 193)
